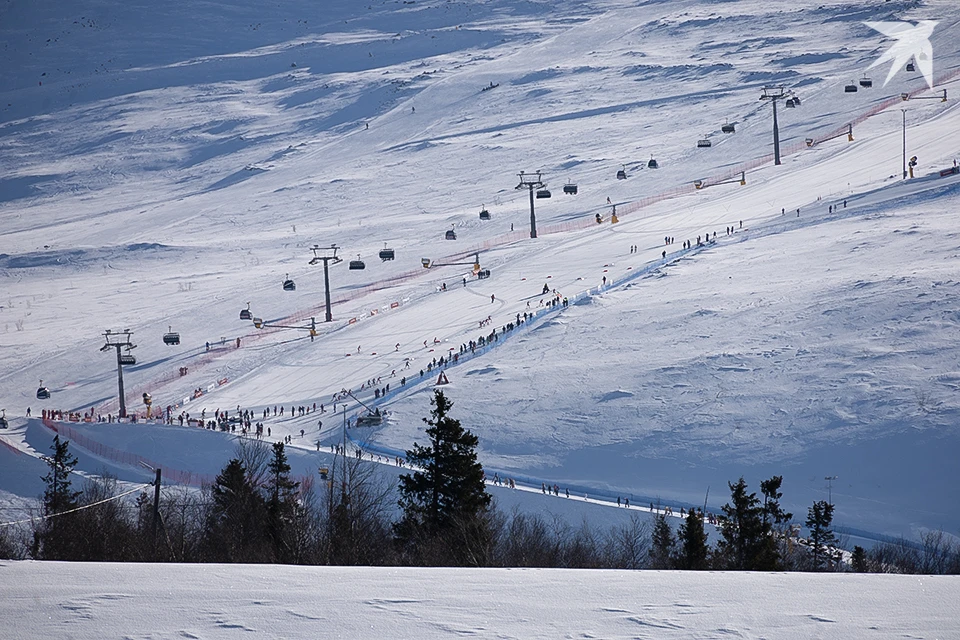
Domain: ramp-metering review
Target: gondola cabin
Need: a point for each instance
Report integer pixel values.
(622, 174)
(387, 254)
(357, 265)
(543, 193)
(652, 164)
(43, 393)
(728, 128)
(790, 103)
(704, 143)
(850, 88)
(128, 358)
(866, 82)
(245, 314)
(911, 67)
(3, 420)
(171, 337)
(796, 100)
(484, 214)
(289, 285)
(570, 189)
(450, 234)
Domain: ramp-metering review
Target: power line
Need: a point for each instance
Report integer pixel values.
(86, 506)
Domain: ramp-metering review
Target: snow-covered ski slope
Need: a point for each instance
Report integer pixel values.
(164, 165)
(88, 601)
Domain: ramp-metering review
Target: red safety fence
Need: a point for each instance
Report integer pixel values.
(173, 476)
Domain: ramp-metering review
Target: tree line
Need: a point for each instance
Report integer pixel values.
(439, 514)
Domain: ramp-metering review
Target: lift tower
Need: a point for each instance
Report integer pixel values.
(531, 181)
(118, 340)
(326, 255)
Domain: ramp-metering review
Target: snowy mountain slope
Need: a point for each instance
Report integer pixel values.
(176, 185)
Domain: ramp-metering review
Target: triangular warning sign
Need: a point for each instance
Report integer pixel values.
(442, 378)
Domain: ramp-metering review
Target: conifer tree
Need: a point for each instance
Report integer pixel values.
(692, 543)
(54, 537)
(744, 535)
(281, 504)
(662, 543)
(446, 498)
(234, 529)
(774, 521)
(819, 519)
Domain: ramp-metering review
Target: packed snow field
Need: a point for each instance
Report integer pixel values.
(164, 167)
(94, 601)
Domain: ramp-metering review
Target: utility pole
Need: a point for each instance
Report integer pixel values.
(830, 480)
(904, 112)
(320, 254)
(531, 181)
(156, 512)
(773, 94)
(117, 340)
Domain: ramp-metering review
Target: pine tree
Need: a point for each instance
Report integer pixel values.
(858, 561)
(662, 543)
(446, 500)
(58, 496)
(774, 520)
(234, 528)
(744, 534)
(819, 519)
(281, 505)
(54, 537)
(692, 543)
